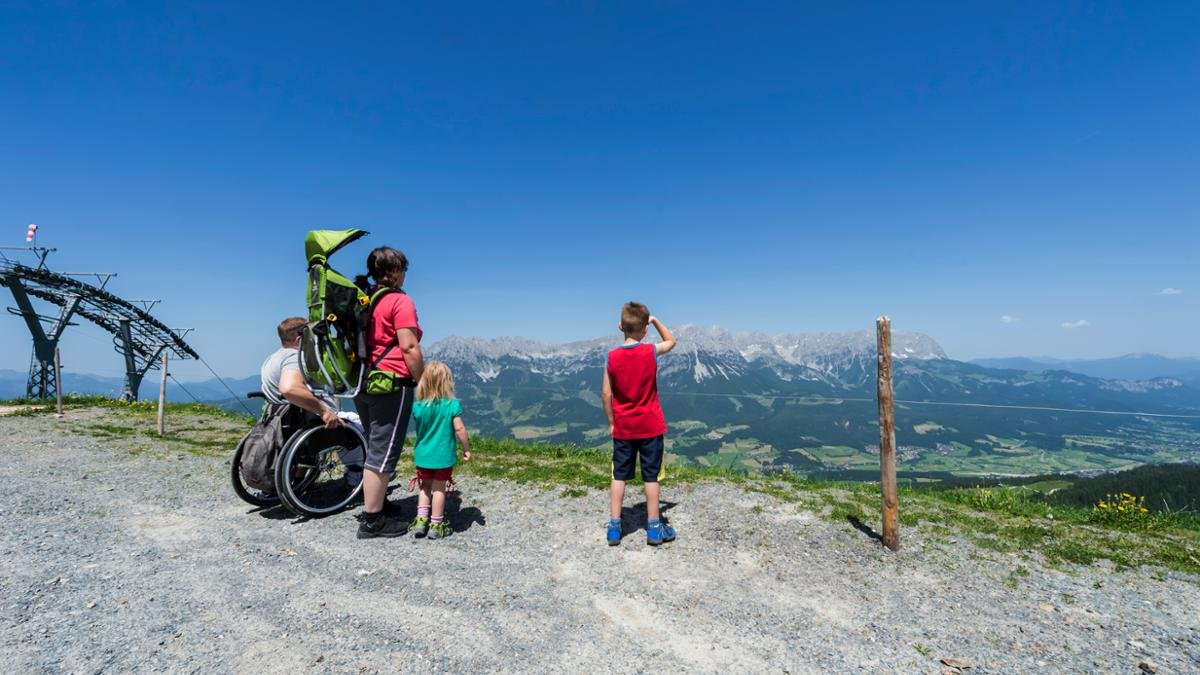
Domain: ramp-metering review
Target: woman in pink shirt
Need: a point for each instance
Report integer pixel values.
(385, 400)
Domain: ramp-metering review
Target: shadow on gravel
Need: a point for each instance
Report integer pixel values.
(405, 507)
(277, 512)
(633, 518)
(461, 519)
(864, 528)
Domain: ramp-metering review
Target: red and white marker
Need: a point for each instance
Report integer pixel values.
(31, 233)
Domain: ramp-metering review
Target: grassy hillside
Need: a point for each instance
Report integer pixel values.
(812, 431)
(1167, 487)
(998, 520)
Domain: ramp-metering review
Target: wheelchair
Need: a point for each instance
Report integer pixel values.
(318, 471)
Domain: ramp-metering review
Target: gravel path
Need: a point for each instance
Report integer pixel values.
(117, 561)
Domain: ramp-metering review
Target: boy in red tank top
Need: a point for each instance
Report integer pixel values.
(635, 418)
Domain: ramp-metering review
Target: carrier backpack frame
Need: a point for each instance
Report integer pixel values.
(329, 350)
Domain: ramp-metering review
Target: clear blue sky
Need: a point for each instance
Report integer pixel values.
(760, 167)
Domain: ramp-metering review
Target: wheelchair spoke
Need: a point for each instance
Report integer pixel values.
(321, 481)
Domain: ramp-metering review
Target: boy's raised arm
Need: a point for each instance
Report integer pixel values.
(668, 340)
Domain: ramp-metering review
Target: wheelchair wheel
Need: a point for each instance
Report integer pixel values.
(248, 494)
(319, 471)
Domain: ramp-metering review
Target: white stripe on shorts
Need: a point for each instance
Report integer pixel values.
(395, 426)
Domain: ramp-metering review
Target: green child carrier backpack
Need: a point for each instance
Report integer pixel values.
(331, 346)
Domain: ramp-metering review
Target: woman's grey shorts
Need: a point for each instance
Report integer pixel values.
(385, 419)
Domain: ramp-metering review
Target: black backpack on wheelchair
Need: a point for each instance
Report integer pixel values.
(261, 447)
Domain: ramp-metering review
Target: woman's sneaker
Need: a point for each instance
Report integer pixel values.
(439, 530)
(658, 533)
(381, 525)
(419, 526)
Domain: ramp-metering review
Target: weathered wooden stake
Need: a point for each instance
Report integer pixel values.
(887, 437)
(162, 397)
(58, 382)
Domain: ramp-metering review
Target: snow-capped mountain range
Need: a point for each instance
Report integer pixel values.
(704, 353)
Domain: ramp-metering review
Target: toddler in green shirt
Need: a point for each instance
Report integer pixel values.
(438, 419)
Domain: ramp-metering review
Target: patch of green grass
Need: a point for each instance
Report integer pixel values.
(1014, 577)
(1025, 536)
(845, 511)
(1073, 551)
(111, 430)
(132, 427)
(78, 401)
(993, 544)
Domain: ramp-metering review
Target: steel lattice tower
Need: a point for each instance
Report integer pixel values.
(137, 336)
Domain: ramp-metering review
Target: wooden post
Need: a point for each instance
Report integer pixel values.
(162, 397)
(58, 382)
(887, 437)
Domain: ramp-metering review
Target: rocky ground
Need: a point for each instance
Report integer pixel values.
(120, 554)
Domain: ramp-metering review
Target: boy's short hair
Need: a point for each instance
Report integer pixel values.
(290, 329)
(634, 317)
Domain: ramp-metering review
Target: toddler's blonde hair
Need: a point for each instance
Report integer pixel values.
(436, 382)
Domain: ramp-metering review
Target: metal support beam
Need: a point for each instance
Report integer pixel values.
(64, 319)
(146, 367)
(132, 380)
(42, 348)
(40, 251)
(147, 305)
(42, 382)
(135, 372)
(102, 278)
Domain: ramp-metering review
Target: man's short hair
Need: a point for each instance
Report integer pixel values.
(290, 329)
(634, 317)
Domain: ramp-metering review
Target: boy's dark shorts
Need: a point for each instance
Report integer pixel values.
(648, 450)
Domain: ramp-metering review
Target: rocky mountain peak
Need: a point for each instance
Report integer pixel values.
(712, 351)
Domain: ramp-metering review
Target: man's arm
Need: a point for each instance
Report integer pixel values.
(293, 388)
(668, 340)
(606, 399)
(410, 346)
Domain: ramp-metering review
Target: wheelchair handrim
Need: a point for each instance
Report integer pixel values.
(294, 496)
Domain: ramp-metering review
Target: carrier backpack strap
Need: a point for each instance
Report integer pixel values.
(395, 341)
(392, 345)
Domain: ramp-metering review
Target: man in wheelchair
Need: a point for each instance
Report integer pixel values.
(302, 452)
(282, 379)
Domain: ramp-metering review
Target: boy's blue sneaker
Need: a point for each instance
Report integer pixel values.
(658, 533)
(614, 533)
